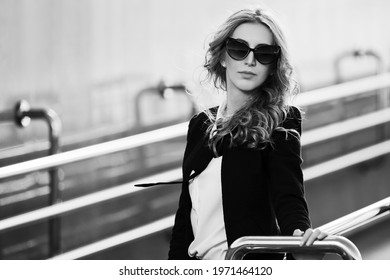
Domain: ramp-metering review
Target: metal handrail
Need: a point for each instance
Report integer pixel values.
(119, 239)
(341, 128)
(83, 201)
(179, 130)
(305, 99)
(146, 138)
(343, 226)
(92, 151)
(22, 116)
(309, 137)
(126, 189)
(311, 97)
(357, 53)
(291, 244)
(88, 250)
(343, 90)
(350, 223)
(161, 88)
(347, 160)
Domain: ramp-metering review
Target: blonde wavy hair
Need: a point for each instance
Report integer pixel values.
(267, 107)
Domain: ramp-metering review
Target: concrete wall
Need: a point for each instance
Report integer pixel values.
(88, 59)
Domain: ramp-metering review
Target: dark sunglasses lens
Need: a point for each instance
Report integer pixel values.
(266, 54)
(237, 50)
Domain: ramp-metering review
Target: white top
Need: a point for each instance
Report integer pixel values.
(207, 214)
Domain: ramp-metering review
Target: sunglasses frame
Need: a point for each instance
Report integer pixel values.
(276, 51)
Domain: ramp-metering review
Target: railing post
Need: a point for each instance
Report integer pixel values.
(160, 89)
(23, 116)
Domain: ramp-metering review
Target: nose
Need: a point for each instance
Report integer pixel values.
(250, 59)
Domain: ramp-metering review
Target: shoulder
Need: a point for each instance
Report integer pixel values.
(201, 121)
(293, 119)
(294, 112)
(203, 117)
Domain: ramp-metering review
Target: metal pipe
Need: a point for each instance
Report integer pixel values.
(83, 201)
(291, 244)
(92, 151)
(357, 53)
(23, 115)
(179, 130)
(119, 239)
(97, 197)
(349, 223)
(340, 226)
(346, 90)
(347, 160)
(344, 127)
(343, 90)
(161, 89)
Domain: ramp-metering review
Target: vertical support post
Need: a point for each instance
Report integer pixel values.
(159, 89)
(23, 116)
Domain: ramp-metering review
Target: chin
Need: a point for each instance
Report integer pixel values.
(249, 88)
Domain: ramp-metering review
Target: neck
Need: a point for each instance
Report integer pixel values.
(235, 100)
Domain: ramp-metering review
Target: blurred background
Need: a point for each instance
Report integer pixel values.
(74, 74)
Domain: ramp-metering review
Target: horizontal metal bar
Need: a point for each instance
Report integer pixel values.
(343, 90)
(359, 218)
(92, 151)
(347, 160)
(118, 239)
(291, 244)
(108, 147)
(101, 196)
(309, 137)
(339, 226)
(345, 127)
(115, 192)
(303, 99)
(83, 201)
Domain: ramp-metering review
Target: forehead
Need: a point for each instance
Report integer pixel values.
(253, 33)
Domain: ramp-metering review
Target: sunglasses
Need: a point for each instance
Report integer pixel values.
(265, 54)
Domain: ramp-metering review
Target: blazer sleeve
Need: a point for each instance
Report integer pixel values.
(178, 249)
(286, 178)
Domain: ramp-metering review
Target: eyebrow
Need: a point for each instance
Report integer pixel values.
(243, 41)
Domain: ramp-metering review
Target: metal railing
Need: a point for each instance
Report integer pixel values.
(335, 243)
(175, 131)
(290, 244)
(115, 192)
(313, 97)
(93, 151)
(161, 89)
(180, 130)
(345, 90)
(166, 223)
(357, 220)
(22, 116)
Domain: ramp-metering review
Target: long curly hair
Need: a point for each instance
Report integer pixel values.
(253, 124)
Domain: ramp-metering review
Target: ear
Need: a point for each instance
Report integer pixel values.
(223, 63)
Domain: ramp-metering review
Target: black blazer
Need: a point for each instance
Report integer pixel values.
(262, 190)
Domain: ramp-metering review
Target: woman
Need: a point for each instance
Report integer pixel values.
(242, 166)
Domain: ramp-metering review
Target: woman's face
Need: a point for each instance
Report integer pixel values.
(247, 74)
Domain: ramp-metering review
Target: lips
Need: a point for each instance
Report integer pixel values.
(247, 72)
